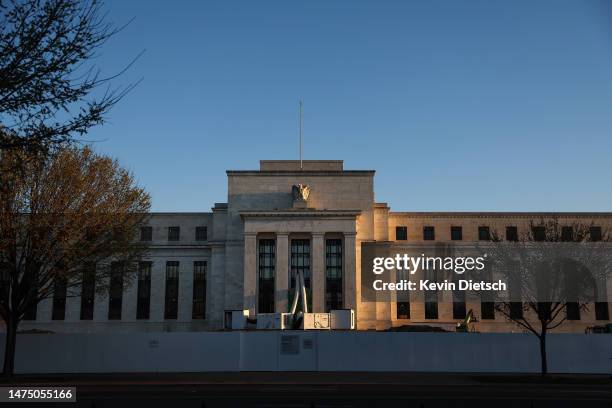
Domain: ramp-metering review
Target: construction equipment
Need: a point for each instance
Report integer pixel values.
(464, 327)
(599, 329)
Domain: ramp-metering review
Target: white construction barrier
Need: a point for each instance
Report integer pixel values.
(309, 351)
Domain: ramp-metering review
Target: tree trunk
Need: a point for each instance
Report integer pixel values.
(9, 348)
(543, 360)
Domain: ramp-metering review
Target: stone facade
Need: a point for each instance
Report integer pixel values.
(260, 205)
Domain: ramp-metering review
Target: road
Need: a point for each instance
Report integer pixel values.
(304, 390)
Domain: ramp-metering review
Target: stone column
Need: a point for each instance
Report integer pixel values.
(318, 272)
(250, 272)
(101, 302)
(281, 273)
(350, 271)
(215, 287)
(158, 291)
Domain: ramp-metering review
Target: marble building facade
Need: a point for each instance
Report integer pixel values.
(244, 252)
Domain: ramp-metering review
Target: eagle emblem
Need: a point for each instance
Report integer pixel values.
(300, 192)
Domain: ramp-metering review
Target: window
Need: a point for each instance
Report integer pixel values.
(59, 298)
(267, 264)
(601, 311)
(429, 234)
(456, 233)
(115, 291)
(401, 233)
(459, 310)
(484, 234)
(403, 310)
(567, 234)
(572, 311)
(199, 290)
(143, 301)
(174, 233)
(201, 233)
(539, 233)
(487, 310)
(333, 274)
(172, 281)
(300, 262)
(595, 233)
(431, 296)
(516, 310)
(431, 310)
(511, 234)
(88, 292)
(146, 233)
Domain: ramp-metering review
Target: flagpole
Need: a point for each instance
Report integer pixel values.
(301, 134)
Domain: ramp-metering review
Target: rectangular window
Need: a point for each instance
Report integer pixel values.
(511, 233)
(459, 307)
(567, 234)
(267, 266)
(31, 294)
(595, 234)
(172, 285)
(333, 274)
(115, 298)
(143, 301)
(601, 311)
(431, 310)
(300, 262)
(59, 299)
(146, 233)
(199, 290)
(487, 310)
(484, 234)
(572, 311)
(401, 233)
(431, 296)
(516, 310)
(201, 233)
(459, 310)
(174, 233)
(429, 233)
(88, 292)
(403, 310)
(539, 233)
(456, 233)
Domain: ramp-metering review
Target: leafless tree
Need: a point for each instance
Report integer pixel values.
(50, 92)
(550, 267)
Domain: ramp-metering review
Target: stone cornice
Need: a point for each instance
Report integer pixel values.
(496, 214)
(203, 246)
(307, 173)
(301, 213)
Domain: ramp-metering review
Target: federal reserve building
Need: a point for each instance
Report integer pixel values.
(293, 228)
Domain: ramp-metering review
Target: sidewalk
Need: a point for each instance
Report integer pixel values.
(313, 378)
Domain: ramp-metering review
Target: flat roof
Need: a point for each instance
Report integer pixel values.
(303, 165)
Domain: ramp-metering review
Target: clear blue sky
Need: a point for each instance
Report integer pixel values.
(458, 105)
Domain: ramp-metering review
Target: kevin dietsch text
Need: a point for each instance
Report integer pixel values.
(459, 265)
(428, 285)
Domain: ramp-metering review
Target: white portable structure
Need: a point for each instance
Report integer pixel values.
(316, 321)
(343, 319)
(236, 319)
(273, 321)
